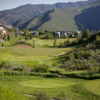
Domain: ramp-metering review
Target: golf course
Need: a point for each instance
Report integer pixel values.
(35, 73)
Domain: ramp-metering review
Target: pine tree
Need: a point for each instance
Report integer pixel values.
(86, 34)
(8, 37)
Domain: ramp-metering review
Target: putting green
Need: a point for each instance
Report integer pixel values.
(93, 86)
(47, 83)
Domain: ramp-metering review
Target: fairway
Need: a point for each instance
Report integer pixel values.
(29, 56)
(93, 86)
(47, 83)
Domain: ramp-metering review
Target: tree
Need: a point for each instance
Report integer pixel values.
(86, 34)
(50, 36)
(55, 42)
(33, 42)
(4, 37)
(16, 34)
(8, 37)
(97, 40)
(30, 35)
(26, 32)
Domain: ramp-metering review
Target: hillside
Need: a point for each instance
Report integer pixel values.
(68, 19)
(54, 20)
(13, 16)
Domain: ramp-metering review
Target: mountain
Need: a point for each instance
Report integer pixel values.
(89, 18)
(29, 11)
(68, 19)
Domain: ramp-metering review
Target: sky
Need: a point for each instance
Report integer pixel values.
(9, 4)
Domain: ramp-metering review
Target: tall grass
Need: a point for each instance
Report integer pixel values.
(7, 94)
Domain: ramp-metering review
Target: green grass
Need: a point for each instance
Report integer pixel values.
(30, 56)
(93, 86)
(47, 42)
(73, 88)
(46, 83)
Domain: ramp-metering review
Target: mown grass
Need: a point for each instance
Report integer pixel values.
(93, 86)
(48, 42)
(31, 56)
(46, 83)
(73, 88)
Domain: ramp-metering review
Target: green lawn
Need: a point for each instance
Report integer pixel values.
(48, 42)
(30, 56)
(93, 86)
(73, 88)
(46, 83)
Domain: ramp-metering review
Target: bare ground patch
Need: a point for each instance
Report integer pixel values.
(23, 46)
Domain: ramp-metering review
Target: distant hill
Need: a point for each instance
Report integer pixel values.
(68, 19)
(29, 11)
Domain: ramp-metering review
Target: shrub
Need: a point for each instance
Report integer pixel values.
(62, 96)
(2, 65)
(40, 68)
(49, 75)
(41, 95)
(55, 71)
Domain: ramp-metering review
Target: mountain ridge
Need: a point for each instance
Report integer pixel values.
(30, 11)
(69, 19)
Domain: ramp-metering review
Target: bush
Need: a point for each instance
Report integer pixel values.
(55, 71)
(3, 65)
(41, 95)
(40, 68)
(49, 75)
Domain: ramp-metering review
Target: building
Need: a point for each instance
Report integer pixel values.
(61, 34)
(34, 33)
(3, 31)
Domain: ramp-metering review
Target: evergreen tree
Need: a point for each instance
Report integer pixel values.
(86, 34)
(30, 35)
(26, 32)
(8, 37)
(4, 37)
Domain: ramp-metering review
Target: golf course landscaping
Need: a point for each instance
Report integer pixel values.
(39, 72)
(24, 86)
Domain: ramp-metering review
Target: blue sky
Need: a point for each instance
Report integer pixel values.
(8, 4)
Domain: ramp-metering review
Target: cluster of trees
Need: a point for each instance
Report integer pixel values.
(27, 35)
(6, 37)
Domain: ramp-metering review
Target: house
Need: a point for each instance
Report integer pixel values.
(57, 34)
(3, 31)
(61, 34)
(34, 33)
(19, 33)
(70, 34)
(76, 33)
